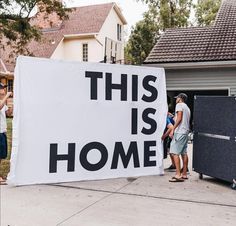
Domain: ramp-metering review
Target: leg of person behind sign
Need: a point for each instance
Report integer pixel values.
(3, 125)
(180, 137)
(172, 166)
(166, 139)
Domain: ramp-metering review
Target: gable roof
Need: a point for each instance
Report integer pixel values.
(87, 19)
(199, 44)
(82, 20)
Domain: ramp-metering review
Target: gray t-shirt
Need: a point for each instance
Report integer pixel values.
(183, 127)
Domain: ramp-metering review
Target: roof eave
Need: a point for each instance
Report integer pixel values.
(119, 13)
(6, 74)
(80, 36)
(186, 65)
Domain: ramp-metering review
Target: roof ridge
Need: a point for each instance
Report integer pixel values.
(196, 44)
(84, 6)
(226, 13)
(187, 28)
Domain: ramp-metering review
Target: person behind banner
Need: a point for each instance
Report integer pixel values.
(179, 136)
(165, 137)
(3, 125)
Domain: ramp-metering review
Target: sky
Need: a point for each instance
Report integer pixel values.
(131, 9)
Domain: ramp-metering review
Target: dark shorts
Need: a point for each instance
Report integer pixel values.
(166, 145)
(3, 145)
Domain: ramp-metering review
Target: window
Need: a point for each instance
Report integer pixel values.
(10, 85)
(85, 52)
(118, 32)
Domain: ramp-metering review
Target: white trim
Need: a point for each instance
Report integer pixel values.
(119, 13)
(98, 40)
(5, 74)
(229, 91)
(202, 88)
(207, 64)
(80, 35)
(4, 66)
(56, 47)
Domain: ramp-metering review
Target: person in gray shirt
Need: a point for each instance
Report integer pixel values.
(179, 135)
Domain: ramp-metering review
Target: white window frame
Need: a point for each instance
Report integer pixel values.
(119, 32)
(84, 54)
(10, 86)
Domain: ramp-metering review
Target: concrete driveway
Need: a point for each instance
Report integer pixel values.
(143, 201)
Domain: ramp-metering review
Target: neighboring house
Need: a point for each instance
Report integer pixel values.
(6, 77)
(199, 60)
(92, 33)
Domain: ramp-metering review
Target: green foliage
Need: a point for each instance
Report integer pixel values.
(166, 14)
(143, 37)
(172, 13)
(206, 11)
(15, 21)
(162, 14)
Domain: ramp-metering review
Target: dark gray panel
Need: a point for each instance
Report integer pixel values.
(215, 157)
(215, 115)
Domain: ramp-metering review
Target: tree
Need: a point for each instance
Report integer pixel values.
(206, 11)
(15, 26)
(168, 14)
(162, 14)
(142, 38)
(172, 13)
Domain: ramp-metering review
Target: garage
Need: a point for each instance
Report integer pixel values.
(199, 60)
(191, 94)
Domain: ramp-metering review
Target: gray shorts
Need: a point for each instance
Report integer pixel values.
(179, 144)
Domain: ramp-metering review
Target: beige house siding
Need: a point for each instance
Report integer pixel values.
(73, 50)
(70, 48)
(109, 29)
(59, 51)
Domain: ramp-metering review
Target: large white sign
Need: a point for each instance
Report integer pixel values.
(86, 121)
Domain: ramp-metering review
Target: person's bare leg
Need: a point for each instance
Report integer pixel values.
(177, 165)
(185, 165)
(1, 179)
(172, 160)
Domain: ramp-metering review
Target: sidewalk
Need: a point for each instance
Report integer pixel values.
(142, 201)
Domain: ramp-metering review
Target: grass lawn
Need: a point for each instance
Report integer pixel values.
(5, 164)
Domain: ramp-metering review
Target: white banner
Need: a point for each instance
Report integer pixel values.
(86, 121)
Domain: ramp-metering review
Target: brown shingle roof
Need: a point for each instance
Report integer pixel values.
(82, 20)
(87, 19)
(197, 44)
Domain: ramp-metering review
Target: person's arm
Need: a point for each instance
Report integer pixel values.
(166, 134)
(179, 117)
(4, 100)
(9, 111)
(171, 115)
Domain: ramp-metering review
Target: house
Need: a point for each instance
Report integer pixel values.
(199, 60)
(92, 33)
